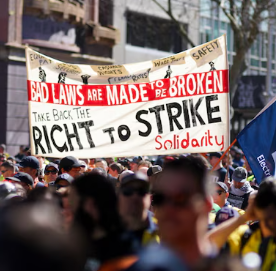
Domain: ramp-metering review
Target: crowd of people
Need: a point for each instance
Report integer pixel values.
(184, 212)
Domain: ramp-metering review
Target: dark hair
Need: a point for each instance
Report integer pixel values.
(93, 185)
(116, 166)
(8, 165)
(266, 195)
(194, 166)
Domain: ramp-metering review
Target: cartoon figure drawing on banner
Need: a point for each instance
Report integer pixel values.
(212, 64)
(168, 72)
(85, 78)
(62, 77)
(42, 75)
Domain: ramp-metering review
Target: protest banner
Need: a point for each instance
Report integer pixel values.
(173, 105)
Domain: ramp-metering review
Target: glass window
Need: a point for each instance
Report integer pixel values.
(254, 62)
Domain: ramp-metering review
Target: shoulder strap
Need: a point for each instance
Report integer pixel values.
(248, 233)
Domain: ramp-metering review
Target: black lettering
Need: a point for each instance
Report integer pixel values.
(186, 114)
(173, 118)
(194, 112)
(138, 117)
(109, 131)
(55, 114)
(157, 110)
(47, 138)
(195, 56)
(64, 147)
(122, 128)
(201, 53)
(37, 141)
(211, 110)
(70, 136)
(86, 125)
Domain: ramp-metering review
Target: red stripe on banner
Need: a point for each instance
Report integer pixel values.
(193, 84)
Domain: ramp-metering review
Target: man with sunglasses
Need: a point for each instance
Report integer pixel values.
(182, 205)
(134, 204)
(50, 173)
(7, 169)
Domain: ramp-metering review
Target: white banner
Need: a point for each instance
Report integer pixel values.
(173, 105)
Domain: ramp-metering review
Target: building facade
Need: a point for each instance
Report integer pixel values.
(148, 33)
(74, 31)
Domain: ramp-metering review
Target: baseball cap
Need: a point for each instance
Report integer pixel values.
(136, 159)
(69, 161)
(64, 176)
(224, 214)
(154, 170)
(29, 161)
(239, 175)
(51, 165)
(22, 177)
(138, 176)
(223, 186)
(215, 154)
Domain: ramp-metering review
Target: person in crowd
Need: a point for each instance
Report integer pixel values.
(240, 189)
(133, 163)
(221, 195)
(8, 193)
(21, 154)
(2, 159)
(32, 239)
(7, 169)
(227, 163)
(94, 205)
(30, 165)
(84, 167)
(101, 163)
(70, 165)
(258, 237)
(24, 179)
(50, 173)
(144, 163)
(182, 204)
(63, 180)
(134, 204)
(115, 169)
(12, 159)
(3, 150)
(109, 160)
(238, 158)
(218, 172)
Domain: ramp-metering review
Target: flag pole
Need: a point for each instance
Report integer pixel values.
(224, 154)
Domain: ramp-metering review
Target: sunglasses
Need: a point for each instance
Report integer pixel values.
(130, 191)
(47, 172)
(179, 201)
(220, 192)
(3, 171)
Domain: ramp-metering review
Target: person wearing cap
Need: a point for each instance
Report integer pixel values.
(238, 160)
(240, 189)
(218, 171)
(50, 172)
(134, 204)
(24, 179)
(133, 163)
(63, 180)
(70, 165)
(30, 165)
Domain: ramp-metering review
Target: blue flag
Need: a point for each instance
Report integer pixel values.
(258, 142)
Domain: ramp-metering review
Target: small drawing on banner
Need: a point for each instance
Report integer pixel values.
(42, 75)
(212, 64)
(168, 72)
(62, 77)
(85, 78)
